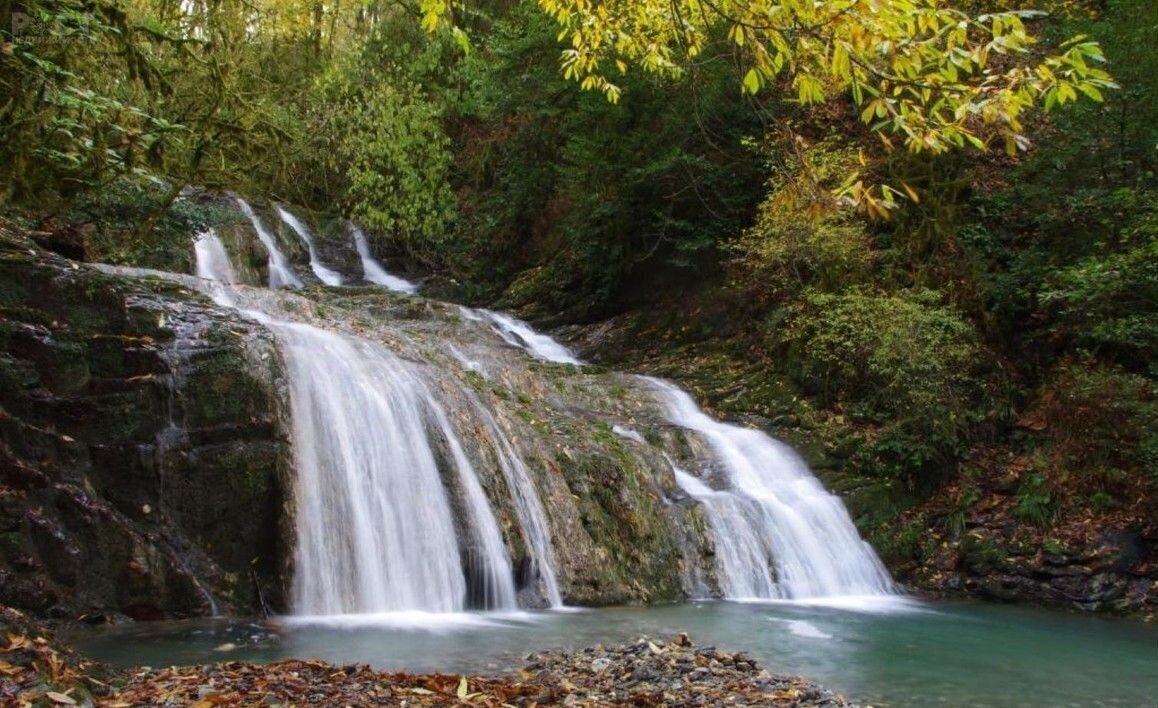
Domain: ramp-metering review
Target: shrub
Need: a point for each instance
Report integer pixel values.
(1034, 501)
(396, 155)
(798, 241)
(1103, 421)
(901, 362)
(885, 356)
(1109, 301)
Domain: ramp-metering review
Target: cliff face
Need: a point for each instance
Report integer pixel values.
(141, 461)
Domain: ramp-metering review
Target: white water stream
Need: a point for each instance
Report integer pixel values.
(211, 259)
(325, 274)
(281, 274)
(373, 271)
(779, 533)
(532, 518)
(374, 523)
(520, 334)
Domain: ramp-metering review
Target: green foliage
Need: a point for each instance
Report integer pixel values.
(955, 521)
(923, 71)
(901, 544)
(1066, 249)
(107, 224)
(1035, 503)
(395, 153)
(1101, 418)
(63, 131)
(980, 554)
(902, 362)
(891, 354)
(796, 242)
(1109, 301)
(572, 202)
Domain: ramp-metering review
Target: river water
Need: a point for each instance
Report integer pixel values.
(887, 652)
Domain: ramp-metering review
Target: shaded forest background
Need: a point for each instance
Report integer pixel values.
(975, 371)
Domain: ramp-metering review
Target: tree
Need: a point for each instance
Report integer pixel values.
(918, 71)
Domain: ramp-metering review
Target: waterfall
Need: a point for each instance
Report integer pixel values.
(776, 515)
(362, 460)
(211, 258)
(325, 274)
(494, 586)
(373, 271)
(519, 334)
(374, 523)
(532, 518)
(391, 514)
(375, 528)
(281, 274)
(742, 551)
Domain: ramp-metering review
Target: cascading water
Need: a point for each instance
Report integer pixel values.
(281, 274)
(369, 433)
(519, 334)
(364, 454)
(373, 271)
(211, 259)
(742, 551)
(529, 509)
(375, 527)
(775, 515)
(325, 274)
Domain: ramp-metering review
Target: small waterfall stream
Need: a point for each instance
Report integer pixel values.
(281, 274)
(775, 515)
(520, 334)
(372, 270)
(211, 259)
(327, 275)
(532, 518)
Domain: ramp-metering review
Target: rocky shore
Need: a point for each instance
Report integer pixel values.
(34, 671)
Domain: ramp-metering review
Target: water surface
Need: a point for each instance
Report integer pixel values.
(891, 653)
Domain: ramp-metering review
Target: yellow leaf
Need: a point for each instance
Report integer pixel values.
(462, 688)
(752, 81)
(61, 698)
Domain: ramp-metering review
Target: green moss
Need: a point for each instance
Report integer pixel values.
(221, 389)
(624, 518)
(246, 474)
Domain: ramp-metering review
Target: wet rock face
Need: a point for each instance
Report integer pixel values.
(140, 457)
(1111, 576)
